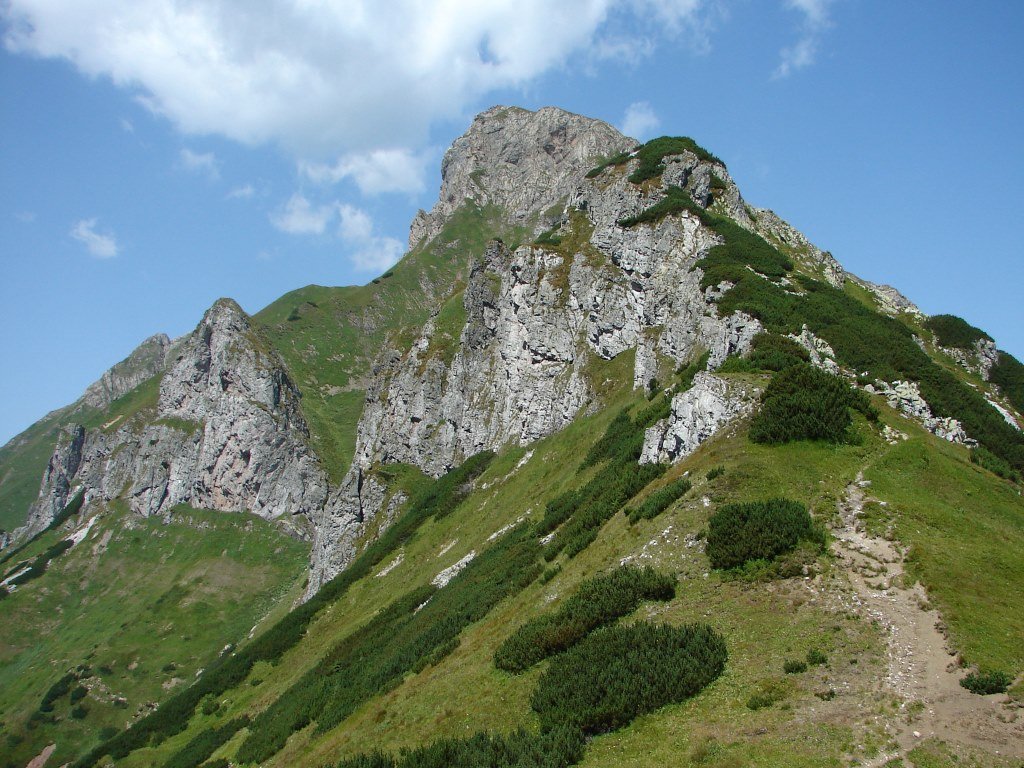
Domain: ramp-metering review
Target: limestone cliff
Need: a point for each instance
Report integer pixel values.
(226, 433)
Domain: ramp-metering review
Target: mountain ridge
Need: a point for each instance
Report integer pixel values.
(569, 337)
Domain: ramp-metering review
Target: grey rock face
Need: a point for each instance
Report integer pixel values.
(891, 301)
(228, 434)
(141, 365)
(58, 482)
(821, 352)
(697, 415)
(905, 396)
(522, 161)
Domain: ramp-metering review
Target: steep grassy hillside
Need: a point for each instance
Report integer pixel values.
(131, 613)
(756, 713)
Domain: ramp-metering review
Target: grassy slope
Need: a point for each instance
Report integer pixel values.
(150, 596)
(329, 337)
(764, 624)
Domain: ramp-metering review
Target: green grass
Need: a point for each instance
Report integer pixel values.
(143, 605)
(462, 693)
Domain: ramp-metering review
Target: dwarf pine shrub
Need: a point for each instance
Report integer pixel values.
(759, 530)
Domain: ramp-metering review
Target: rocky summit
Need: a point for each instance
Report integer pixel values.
(599, 380)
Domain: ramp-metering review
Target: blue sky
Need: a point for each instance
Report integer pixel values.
(155, 155)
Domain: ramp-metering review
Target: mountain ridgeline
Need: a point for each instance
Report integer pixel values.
(600, 385)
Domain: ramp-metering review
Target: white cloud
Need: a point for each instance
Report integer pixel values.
(377, 255)
(381, 170)
(639, 120)
(25, 217)
(102, 246)
(300, 217)
(127, 126)
(371, 252)
(196, 162)
(244, 192)
(329, 78)
(804, 51)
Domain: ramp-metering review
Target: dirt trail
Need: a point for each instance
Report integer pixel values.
(920, 666)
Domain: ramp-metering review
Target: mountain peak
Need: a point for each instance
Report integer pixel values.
(524, 162)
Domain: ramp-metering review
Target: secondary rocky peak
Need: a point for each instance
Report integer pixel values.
(524, 162)
(226, 433)
(142, 364)
(227, 357)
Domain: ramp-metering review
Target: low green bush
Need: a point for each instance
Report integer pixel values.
(618, 673)
(205, 743)
(56, 691)
(403, 637)
(653, 153)
(983, 457)
(597, 602)
(953, 331)
(794, 666)
(519, 749)
(580, 512)
(816, 657)
(805, 403)
(986, 682)
(659, 501)
(715, 472)
(1008, 373)
(760, 530)
(769, 352)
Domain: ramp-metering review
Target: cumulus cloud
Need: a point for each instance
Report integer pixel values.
(370, 252)
(382, 170)
(639, 120)
(328, 79)
(804, 51)
(205, 163)
(102, 246)
(301, 217)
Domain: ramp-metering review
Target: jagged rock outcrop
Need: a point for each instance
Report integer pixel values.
(697, 415)
(905, 396)
(890, 301)
(58, 482)
(524, 162)
(821, 352)
(770, 226)
(144, 363)
(227, 433)
(979, 359)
